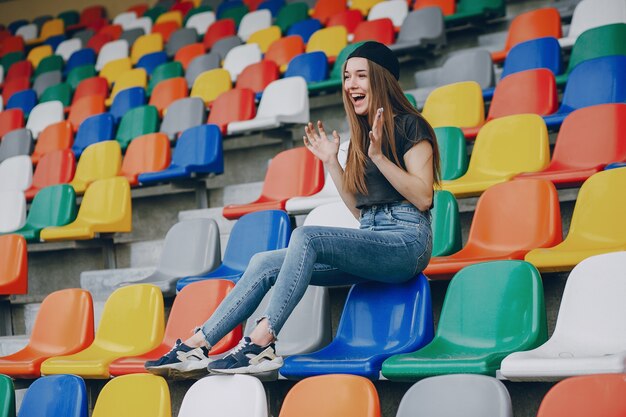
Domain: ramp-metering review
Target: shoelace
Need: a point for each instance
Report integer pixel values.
(239, 347)
(176, 346)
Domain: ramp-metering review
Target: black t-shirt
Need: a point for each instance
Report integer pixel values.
(409, 131)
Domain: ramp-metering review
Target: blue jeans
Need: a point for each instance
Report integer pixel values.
(393, 244)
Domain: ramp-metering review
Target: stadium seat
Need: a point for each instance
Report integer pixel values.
(348, 18)
(290, 14)
(13, 86)
(265, 37)
(305, 29)
(595, 228)
(236, 13)
(453, 152)
(200, 64)
(468, 11)
(283, 50)
(144, 23)
(232, 106)
(170, 16)
(193, 305)
(395, 10)
(79, 58)
(53, 205)
(147, 153)
(188, 53)
(90, 17)
(12, 44)
(201, 22)
(48, 64)
(475, 65)
(55, 395)
(307, 178)
(112, 51)
(599, 395)
(510, 220)
(458, 104)
(575, 158)
(179, 39)
(61, 92)
(324, 9)
(274, 6)
(361, 346)
(221, 393)
(344, 395)
(24, 100)
(78, 74)
(11, 119)
(38, 53)
(474, 396)
(277, 107)
(590, 14)
(27, 32)
(55, 167)
(168, 91)
(13, 265)
(94, 129)
(146, 44)
(124, 18)
(43, 115)
(253, 233)
(328, 40)
(131, 36)
(113, 70)
(363, 6)
(475, 333)
(22, 68)
(525, 92)
(210, 84)
(183, 114)
(64, 325)
(521, 145)
(56, 136)
(84, 108)
(153, 13)
(240, 57)
(534, 24)
(595, 81)
(595, 43)
(445, 224)
(257, 77)
(12, 210)
(127, 100)
(100, 160)
(7, 397)
(218, 30)
(589, 332)
(15, 143)
(252, 22)
(152, 61)
(224, 45)
(379, 30)
(198, 151)
(136, 122)
(134, 395)
(92, 86)
(45, 80)
(94, 41)
(16, 173)
(133, 78)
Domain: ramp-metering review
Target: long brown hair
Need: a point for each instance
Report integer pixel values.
(385, 92)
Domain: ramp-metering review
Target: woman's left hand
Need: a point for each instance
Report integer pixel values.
(375, 151)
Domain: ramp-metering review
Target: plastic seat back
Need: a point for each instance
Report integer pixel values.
(265, 37)
(188, 53)
(210, 84)
(534, 54)
(290, 14)
(55, 167)
(276, 101)
(49, 64)
(258, 76)
(200, 21)
(448, 7)
(80, 58)
(98, 161)
(224, 45)
(379, 30)
(137, 122)
(252, 22)
(15, 143)
(138, 395)
(152, 61)
(24, 100)
(348, 19)
(219, 394)
(179, 39)
(113, 70)
(85, 108)
(328, 40)
(182, 115)
(446, 224)
(38, 53)
(421, 28)
(7, 397)
(55, 395)
(16, 173)
(395, 10)
(93, 86)
(345, 395)
(312, 66)
(127, 100)
(147, 153)
(11, 119)
(19, 69)
(60, 92)
(133, 78)
(12, 210)
(240, 57)
(112, 51)
(466, 66)
(13, 86)
(45, 80)
(231, 106)
(27, 32)
(170, 16)
(459, 104)
(168, 91)
(44, 115)
(218, 30)
(590, 14)
(13, 265)
(305, 29)
(79, 74)
(146, 44)
(474, 396)
(199, 65)
(94, 129)
(454, 159)
(283, 50)
(56, 136)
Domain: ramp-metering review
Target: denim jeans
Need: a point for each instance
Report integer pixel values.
(393, 244)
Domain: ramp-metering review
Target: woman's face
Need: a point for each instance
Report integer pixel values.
(357, 84)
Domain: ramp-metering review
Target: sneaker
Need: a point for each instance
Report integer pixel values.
(181, 361)
(247, 358)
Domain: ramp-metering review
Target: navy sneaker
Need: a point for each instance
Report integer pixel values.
(247, 358)
(181, 362)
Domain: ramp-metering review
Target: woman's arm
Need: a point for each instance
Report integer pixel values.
(416, 183)
(326, 150)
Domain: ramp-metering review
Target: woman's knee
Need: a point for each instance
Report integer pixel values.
(301, 236)
(264, 261)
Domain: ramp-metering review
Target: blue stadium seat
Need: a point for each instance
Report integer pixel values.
(126, 100)
(273, 6)
(226, 5)
(371, 329)
(253, 233)
(55, 395)
(595, 81)
(92, 130)
(305, 28)
(54, 41)
(85, 56)
(150, 61)
(24, 100)
(198, 151)
(615, 165)
(533, 54)
(312, 66)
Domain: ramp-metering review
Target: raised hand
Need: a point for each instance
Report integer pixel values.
(318, 143)
(376, 135)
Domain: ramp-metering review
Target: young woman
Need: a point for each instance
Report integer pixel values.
(392, 167)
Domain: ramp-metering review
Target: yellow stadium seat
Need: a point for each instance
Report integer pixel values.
(265, 37)
(364, 6)
(210, 84)
(106, 208)
(137, 395)
(114, 69)
(146, 44)
(38, 53)
(459, 104)
(173, 16)
(51, 28)
(504, 148)
(99, 161)
(598, 224)
(132, 78)
(328, 40)
(132, 323)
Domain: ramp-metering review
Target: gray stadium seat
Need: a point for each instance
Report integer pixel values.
(224, 45)
(131, 35)
(45, 80)
(201, 64)
(183, 114)
(180, 38)
(423, 28)
(16, 142)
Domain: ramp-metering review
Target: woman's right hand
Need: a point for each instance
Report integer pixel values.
(318, 143)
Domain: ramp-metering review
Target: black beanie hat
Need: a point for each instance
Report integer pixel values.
(380, 54)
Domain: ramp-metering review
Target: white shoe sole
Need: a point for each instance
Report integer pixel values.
(182, 370)
(265, 366)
